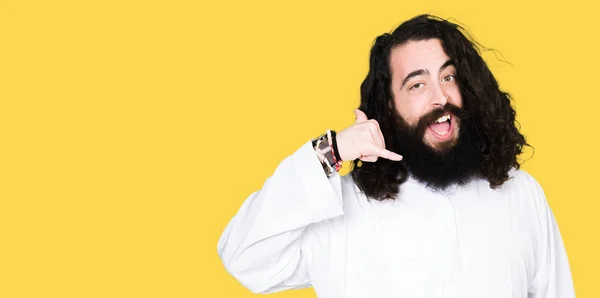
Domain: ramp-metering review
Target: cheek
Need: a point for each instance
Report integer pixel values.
(455, 96)
(410, 109)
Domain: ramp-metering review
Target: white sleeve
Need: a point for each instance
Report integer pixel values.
(553, 277)
(261, 245)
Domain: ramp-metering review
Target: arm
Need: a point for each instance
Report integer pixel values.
(553, 275)
(261, 245)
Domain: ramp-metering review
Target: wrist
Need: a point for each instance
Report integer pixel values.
(324, 148)
(334, 146)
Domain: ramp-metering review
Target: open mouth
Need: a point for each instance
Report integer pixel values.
(442, 126)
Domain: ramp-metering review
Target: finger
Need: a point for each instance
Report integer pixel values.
(375, 138)
(376, 134)
(360, 116)
(368, 158)
(373, 149)
(387, 154)
(380, 135)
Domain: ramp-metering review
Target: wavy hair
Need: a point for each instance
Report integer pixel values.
(496, 137)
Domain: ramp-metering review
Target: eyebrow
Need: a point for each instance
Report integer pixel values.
(422, 72)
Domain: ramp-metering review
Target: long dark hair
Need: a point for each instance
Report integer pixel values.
(496, 137)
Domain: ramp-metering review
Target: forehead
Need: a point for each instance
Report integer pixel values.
(416, 55)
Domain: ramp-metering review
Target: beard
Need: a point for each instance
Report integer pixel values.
(453, 162)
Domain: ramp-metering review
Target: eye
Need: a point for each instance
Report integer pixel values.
(417, 86)
(449, 78)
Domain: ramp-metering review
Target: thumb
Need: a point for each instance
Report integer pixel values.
(360, 116)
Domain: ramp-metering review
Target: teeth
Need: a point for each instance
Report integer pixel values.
(442, 119)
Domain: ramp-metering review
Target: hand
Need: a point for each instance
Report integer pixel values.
(364, 141)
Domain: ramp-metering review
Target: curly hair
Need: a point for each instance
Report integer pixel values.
(496, 137)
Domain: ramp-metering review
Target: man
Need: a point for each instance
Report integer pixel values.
(435, 204)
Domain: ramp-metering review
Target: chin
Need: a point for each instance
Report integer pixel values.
(441, 146)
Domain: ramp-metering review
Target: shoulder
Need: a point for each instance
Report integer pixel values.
(522, 181)
(522, 176)
(526, 192)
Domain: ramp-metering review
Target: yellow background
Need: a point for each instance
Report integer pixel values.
(131, 131)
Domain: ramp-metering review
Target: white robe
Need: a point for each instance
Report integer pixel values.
(303, 229)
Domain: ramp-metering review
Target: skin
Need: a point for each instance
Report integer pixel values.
(432, 87)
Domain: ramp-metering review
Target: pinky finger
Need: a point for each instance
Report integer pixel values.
(387, 154)
(372, 149)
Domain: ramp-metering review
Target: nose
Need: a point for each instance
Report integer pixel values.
(439, 98)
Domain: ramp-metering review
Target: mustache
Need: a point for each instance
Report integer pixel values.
(421, 126)
(439, 112)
